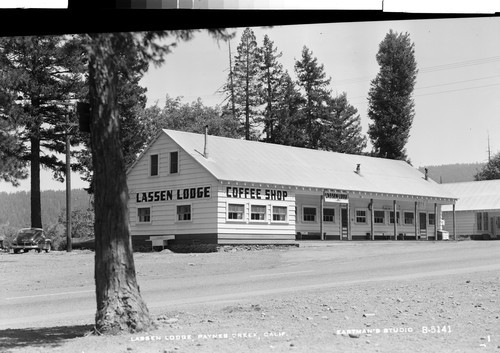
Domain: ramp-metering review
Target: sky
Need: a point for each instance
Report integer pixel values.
(456, 96)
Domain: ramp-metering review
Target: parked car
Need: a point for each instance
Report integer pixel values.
(31, 238)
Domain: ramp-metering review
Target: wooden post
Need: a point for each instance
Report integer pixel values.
(454, 224)
(349, 234)
(435, 221)
(415, 220)
(372, 212)
(395, 220)
(321, 218)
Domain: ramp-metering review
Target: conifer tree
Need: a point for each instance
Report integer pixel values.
(342, 133)
(490, 170)
(272, 74)
(246, 81)
(39, 76)
(391, 106)
(312, 79)
(290, 126)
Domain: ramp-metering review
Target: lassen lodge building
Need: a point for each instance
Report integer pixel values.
(195, 188)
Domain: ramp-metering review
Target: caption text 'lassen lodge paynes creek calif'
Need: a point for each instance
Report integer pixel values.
(209, 189)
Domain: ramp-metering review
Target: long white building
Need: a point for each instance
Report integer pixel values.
(477, 211)
(208, 189)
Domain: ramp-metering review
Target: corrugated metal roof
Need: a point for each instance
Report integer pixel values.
(475, 195)
(258, 162)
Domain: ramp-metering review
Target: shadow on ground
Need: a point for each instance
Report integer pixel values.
(46, 337)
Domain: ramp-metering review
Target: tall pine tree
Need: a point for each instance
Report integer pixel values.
(272, 74)
(290, 126)
(391, 106)
(312, 79)
(39, 76)
(342, 133)
(246, 81)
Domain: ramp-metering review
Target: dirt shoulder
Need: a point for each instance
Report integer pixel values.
(457, 313)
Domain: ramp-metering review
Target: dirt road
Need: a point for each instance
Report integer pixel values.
(382, 296)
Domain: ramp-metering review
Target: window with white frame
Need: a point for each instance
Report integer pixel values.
(328, 215)
(279, 213)
(432, 219)
(409, 218)
(235, 212)
(360, 216)
(258, 213)
(184, 212)
(144, 214)
(309, 214)
(174, 162)
(391, 217)
(154, 168)
(379, 217)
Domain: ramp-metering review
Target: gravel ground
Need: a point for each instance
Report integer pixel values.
(458, 313)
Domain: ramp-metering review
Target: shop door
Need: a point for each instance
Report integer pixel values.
(423, 225)
(344, 223)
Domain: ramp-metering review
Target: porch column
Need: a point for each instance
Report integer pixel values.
(454, 224)
(349, 232)
(321, 218)
(435, 221)
(372, 233)
(395, 220)
(415, 220)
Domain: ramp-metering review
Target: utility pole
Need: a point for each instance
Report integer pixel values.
(69, 246)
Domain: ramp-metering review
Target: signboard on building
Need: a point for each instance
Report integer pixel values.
(337, 197)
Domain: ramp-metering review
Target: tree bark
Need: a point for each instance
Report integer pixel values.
(35, 198)
(120, 306)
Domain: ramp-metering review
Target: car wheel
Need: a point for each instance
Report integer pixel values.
(38, 250)
(48, 248)
(16, 251)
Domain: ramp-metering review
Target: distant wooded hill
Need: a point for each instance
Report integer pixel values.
(453, 173)
(15, 207)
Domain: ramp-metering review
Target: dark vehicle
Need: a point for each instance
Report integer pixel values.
(31, 238)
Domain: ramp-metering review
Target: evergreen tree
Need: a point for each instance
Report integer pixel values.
(39, 77)
(391, 106)
(342, 133)
(312, 79)
(272, 73)
(491, 170)
(290, 121)
(246, 81)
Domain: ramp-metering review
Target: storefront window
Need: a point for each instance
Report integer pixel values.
(391, 217)
(279, 213)
(329, 215)
(409, 218)
(379, 217)
(258, 213)
(309, 214)
(236, 212)
(360, 216)
(432, 219)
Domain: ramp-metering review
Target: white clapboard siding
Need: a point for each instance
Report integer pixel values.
(465, 223)
(248, 229)
(164, 213)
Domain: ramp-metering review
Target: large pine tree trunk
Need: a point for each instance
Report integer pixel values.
(36, 206)
(120, 306)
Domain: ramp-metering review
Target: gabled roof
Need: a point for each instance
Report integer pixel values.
(265, 163)
(475, 195)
